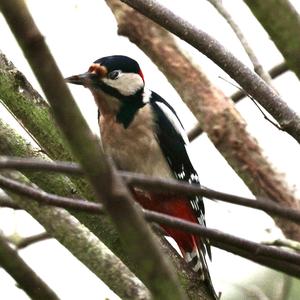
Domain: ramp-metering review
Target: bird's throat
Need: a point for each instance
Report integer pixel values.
(107, 105)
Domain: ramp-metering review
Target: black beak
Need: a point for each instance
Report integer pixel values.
(85, 79)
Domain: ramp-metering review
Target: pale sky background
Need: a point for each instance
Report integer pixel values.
(79, 32)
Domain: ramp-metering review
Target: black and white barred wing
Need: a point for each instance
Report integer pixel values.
(173, 140)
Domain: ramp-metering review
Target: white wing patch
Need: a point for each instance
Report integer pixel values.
(146, 95)
(173, 119)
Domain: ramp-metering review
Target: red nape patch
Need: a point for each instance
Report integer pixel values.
(141, 74)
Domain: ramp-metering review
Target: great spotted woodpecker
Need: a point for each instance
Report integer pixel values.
(143, 134)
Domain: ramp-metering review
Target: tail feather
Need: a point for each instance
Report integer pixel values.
(193, 248)
(197, 261)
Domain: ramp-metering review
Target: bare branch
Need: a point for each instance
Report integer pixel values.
(239, 95)
(256, 104)
(250, 250)
(21, 243)
(258, 68)
(30, 110)
(44, 197)
(249, 81)
(108, 187)
(26, 278)
(275, 258)
(38, 164)
(284, 243)
(274, 73)
(148, 183)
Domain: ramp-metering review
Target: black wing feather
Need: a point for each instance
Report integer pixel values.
(173, 146)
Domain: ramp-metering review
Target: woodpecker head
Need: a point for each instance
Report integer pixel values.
(118, 76)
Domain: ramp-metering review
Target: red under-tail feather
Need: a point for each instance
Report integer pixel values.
(191, 246)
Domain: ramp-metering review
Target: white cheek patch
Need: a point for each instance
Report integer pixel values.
(127, 83)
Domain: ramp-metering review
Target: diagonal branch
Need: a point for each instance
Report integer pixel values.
(239, 95)
(22, 242)
(258, 68)
(249, 81)
(25, 277)
(284, 243)
(108, 187)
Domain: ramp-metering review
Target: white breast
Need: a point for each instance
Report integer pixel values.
(135, 148)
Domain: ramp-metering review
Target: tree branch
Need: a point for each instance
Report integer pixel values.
(275, 258)
(162, 282)
(250, 250)
(284, 243)
(30, 110)
(21, 243)
(239, 95)
(153, 184)
(249, 81)
(258, 68)
(26, 278)
(275, 72)
(283, 26)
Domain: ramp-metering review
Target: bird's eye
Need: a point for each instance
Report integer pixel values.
(114, 74)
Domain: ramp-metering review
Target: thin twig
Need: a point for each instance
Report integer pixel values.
(26, 278)
(153, 184)
(274, 72)
(284, 243)
(239, 95)
(28, 241)
(255, 103)
(210, 47)
(239, 246)
(44, 197)
(256, 252)
(37, 164)
(258, 68)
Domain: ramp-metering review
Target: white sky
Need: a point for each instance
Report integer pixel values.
(78, 33)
